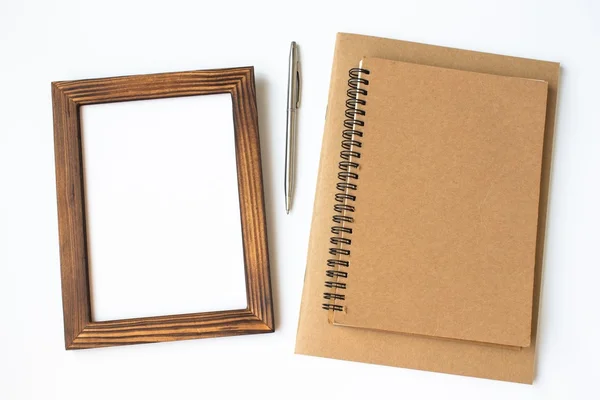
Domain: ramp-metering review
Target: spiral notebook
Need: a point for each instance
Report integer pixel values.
(427, 230)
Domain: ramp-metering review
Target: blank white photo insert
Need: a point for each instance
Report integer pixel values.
(162, 207)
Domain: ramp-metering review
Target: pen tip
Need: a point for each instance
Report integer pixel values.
(287, 212)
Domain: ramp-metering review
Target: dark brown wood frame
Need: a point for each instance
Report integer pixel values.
(80, 331)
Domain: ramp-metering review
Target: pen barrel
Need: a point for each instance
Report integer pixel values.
(290, 150)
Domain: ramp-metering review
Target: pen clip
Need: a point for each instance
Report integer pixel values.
(298, 84)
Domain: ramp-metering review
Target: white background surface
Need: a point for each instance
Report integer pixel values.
(62, 40)
(163, 228)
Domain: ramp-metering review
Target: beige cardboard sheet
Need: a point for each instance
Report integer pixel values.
(444, 230)
(316, 336)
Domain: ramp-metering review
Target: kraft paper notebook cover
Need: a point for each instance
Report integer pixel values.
(444, 205)
(424, 335)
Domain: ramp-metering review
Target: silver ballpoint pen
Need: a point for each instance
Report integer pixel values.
(293, 102)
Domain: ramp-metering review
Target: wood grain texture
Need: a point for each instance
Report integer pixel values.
(80, 331)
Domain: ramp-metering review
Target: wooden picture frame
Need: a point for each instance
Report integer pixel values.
(67, 98)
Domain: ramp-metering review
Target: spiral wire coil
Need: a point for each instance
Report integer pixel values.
(346, 187)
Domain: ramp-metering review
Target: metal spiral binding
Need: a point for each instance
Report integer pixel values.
(347, 184)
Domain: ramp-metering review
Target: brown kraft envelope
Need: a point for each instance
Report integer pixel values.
(316, 335)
